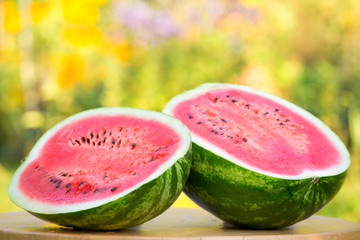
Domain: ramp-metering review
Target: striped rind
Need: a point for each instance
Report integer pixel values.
(250, 197)
(253, 200)
(137, 207)
(344, 159)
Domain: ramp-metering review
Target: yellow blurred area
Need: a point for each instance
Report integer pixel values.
(184, 201)
(39, 11)
(82, 35)
(9, 56)
(5, 202)
(81, 11)
(252, 3)
(259, 77)
(32, 119)
(11, 16)
(122, 51)
(72, 70)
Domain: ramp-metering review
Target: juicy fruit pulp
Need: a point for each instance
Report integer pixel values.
(258, 131)
(258, 160)
(97, 161)
(106, 168)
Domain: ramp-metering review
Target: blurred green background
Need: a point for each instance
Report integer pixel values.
(59, 57)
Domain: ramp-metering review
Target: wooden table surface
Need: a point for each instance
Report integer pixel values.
(178, 223)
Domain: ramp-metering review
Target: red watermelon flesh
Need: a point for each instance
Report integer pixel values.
(100, 156)
(258, 131)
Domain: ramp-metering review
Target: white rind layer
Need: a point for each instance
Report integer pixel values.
(335, 170)
(21, 200)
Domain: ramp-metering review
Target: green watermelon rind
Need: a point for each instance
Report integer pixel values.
(253, 200)
(344, 157)
(137, 207)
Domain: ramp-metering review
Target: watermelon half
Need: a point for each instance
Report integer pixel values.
(259, 161)
(106, 168)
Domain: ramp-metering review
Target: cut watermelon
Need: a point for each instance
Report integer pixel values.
(106, 168)
(258, 160)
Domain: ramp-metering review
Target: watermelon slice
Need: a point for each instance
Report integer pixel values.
(106, 168)
(259, 161)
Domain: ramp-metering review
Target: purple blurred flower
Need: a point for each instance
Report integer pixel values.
(150, 25)
(147, 24)
(208, 13)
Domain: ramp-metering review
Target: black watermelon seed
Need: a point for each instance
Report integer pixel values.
(55, 181)
(227, 96)
(57, 186)
(216, 132)
(266, 113)
(77, 141)
(247, 105)
(277, 119)
(81, 183)
(113, 141)
(212, 130)
(88, 140)
(113, 189)
(91, 135)
(223, 120)
(199, 122)
(216, 99)
(287, 120)
(96, 189)
(133, 145)
(68, 190)
(158, 149)
(244, 139)
(105, 176)
(104, 131)
(276, 109)
(191, 117)
(83, 139)
(234, 100)
(97, 135)
(135, 172)
(85, 192)
(68, 185)
(281, 124)
(99, 143)
(120, 129)
(51, 180)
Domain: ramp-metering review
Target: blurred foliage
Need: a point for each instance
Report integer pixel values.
(60, 57)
